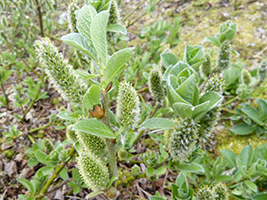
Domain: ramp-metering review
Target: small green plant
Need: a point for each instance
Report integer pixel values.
(12, 135)
(254, 120)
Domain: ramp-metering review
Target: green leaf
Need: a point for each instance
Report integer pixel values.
(91, 97)
(260, 196)
(27, 184)
(46, 170)
(117, 28)
(168, 59)
(214, 98)
(263, 108)
(157, 123)
(213, 40)
(181, 178)
(113, 119)
(222, 178)
(65, 115)
(116, 64)
(253, 114)
(243, 129)
(149, 171)
(162, 151)
(78, 41)
(98, 34)
(161, 170)
(190, 167)
(84, 20)
(230, 157)
(185, 87)
(260, 152)
(93, 194)
(246, 155)
(41, 157)
(85, 75)
(183, 109)
(64, 174)
(94, 127)
(113, 178)
(251, 185)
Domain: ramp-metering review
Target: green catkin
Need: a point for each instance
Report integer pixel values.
(72, 17)
(206, 67)
(128, 103)
(60, 72)
(205, 193)
(122, 154)
(48, 145)
(245, 77)
(155, 84)
(90, 143)
(71, 135)
(220, 191)
(208, 123)
(135, 170)
(262, 71)
(214, 83)
(224, 57)
(183, 140)
(93, 171)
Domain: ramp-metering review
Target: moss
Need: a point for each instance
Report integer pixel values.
(236, 143)
(9, 153)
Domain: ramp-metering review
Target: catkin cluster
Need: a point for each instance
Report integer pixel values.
(59, 71)
(217, 192)
(72, 17)
(182, 140)
(128, 103)
(155, 84)
(93, 171)
(224, 56)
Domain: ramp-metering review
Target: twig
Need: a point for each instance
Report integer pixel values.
(134, 21)
(44, 189)
(7, 100)
(137, 7)
(228, 102)
(142, 90)
(40, 17)
(132, 178)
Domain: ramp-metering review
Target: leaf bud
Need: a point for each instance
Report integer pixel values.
(122, 154)
(135, 170)
(48, 145)
(97, 112)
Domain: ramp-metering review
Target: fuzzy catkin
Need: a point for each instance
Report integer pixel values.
(128, 103)
(208, 123)
(206, 67)
(245, 77)
(155, 84)
(224, 57)
(71, 135)
(220, 191)
(72, 17)
(90, 143)
(205, 193)
(48, 145)
(93, 171)
(262, 71)
(214, 83)
(183, 140)
(60, 73)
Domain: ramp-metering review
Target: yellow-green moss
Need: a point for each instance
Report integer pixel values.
(236, 143)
